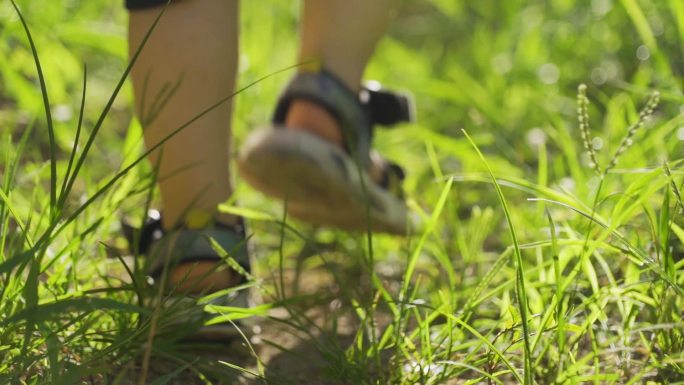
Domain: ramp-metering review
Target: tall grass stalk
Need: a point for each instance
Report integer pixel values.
(520, 275)
(48, 113)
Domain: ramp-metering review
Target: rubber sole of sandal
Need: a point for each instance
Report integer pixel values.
(320, 183)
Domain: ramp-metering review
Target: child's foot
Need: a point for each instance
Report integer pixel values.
(189, 262)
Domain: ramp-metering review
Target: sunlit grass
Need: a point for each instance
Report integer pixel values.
(538, 261)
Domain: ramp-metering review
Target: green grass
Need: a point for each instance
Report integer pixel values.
(538, 261)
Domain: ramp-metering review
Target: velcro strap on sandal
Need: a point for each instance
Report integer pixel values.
(387, 108)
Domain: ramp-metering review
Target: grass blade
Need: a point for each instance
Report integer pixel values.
(640, 23)
(48, 114)
(486, 341)
(47, 311)
(78, 135)
(639, 255)
(520, 276)
(105, 110)
(429, 228)
(560, 318)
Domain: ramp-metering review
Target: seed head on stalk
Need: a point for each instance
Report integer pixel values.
(583, 117)
(627, 141)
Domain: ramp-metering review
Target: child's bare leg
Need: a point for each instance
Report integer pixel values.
(193, 52)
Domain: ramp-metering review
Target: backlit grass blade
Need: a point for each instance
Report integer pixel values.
(429, 228)
(524, 186)
(520, 276)
(560, 317)
(107, 108)
(47, 311)
(493, 272)
(663, 236)
(679, 208)
(635, 252)
(79, 128)
(640, 23)
(486, 342)
(14, 215)
(12, 164)
(30, 289)
(474, 369)
(677, 8)
(48, 114)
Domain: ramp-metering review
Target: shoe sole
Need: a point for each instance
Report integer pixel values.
(319, 182)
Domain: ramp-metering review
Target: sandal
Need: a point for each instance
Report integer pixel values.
(322, 183)
(166, 250)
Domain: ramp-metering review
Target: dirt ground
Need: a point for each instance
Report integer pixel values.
(286, 358)
(287, 355)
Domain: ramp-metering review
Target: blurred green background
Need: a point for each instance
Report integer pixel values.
(504, 71)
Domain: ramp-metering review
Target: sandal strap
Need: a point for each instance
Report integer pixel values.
(189, 245)
(356, 113)
(386, 107)
(183, 245)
